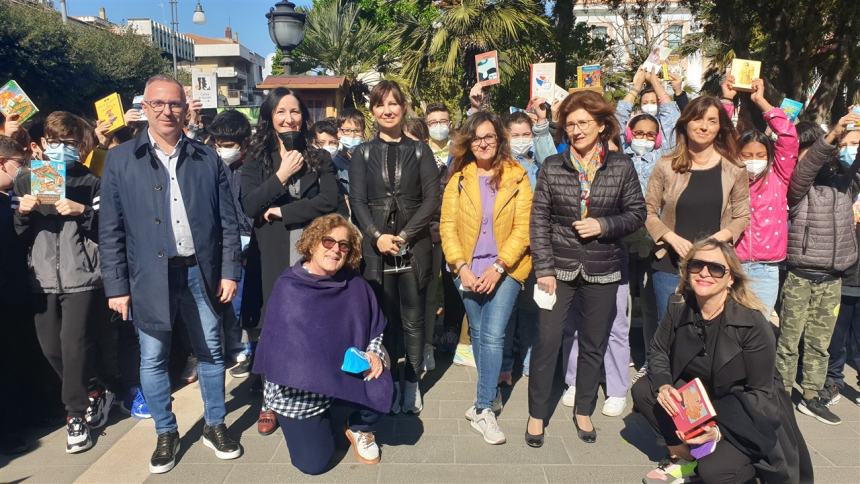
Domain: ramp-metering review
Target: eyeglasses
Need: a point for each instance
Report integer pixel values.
(489, 139)
(342, 245)
(55, 143)
(582, 124)
(649, 135)
(715, 269)
(158, 106)
(438, 123)
(353, 132)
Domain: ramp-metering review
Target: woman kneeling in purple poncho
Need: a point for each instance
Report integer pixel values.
(318, 308)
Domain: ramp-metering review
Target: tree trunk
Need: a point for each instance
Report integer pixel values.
(563, 11)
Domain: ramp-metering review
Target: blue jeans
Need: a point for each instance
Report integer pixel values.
(187, 297)
(522, 329)
(233, 345)
(488, 320)
(665, 284)
(764, 282)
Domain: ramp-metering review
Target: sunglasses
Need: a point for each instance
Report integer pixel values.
(342, 245)
(715, 269)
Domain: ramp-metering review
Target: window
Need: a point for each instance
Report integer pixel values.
(599, 32)
(674, 36)
(637, 35)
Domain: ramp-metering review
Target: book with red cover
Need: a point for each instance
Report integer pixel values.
(696, 411)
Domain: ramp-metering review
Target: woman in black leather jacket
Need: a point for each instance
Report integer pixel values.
(394, 193)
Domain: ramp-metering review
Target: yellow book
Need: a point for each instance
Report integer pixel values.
(744, 71)
(96, 161)
(589, 76)
(110, 109)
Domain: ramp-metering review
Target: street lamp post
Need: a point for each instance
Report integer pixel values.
(287, 29)
(199, 18)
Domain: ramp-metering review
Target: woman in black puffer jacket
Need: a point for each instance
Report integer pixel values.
(586, 200)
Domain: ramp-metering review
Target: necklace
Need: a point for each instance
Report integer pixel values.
(718, 311)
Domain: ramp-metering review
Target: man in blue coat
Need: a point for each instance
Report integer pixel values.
(169, 243)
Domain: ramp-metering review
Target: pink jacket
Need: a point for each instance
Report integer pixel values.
(766, 237)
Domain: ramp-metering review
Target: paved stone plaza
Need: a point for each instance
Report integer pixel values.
(439, 446)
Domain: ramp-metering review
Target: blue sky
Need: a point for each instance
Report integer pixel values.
(247, 17)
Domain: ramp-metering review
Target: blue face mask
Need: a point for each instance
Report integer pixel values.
(350, 142)
(847, 155)
(63, 152)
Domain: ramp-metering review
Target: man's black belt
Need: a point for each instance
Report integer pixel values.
(187, 261)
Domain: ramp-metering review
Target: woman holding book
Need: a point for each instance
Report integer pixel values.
(716, 333)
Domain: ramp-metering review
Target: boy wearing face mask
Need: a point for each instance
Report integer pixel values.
(821, 247)
(231, 132)
(764, 243)
(350, 131)
(324, 135)
(438, 120)
(69, 301)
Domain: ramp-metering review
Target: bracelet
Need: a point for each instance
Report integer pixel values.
(460, 267)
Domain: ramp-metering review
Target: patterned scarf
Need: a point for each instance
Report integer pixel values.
(587, 168)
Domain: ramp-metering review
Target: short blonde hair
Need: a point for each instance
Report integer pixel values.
(321, 226)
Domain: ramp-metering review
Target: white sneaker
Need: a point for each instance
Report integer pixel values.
(569, 397)
(364, 445)
(614, 406)
(412, 398)
(77, 435)
(395, 407)
(485, 424)
(429, 358)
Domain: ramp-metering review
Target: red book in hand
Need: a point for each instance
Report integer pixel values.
(696, 413)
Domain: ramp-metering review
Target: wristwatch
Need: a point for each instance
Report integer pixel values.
(498, 268)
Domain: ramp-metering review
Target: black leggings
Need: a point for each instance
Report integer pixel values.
(403, 305)
(726, 464)
(66, 325)
(596, 305)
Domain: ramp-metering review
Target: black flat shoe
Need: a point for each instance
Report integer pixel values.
(535, 441)
(589, 437)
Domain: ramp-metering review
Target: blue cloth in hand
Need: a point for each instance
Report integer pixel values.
(355, 361)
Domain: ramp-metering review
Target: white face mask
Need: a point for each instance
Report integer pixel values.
(229, 155)
(521, 146)
(641, 146)
(755, 167)
(439, 132)
(650, 109)
(332, 150)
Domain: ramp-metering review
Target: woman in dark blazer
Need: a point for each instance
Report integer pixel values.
(717, 333)
(286, 184)
(394, 194)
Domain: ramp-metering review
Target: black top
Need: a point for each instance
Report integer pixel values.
(697, 213)
(701, 365)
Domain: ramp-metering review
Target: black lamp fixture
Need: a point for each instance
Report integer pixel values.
(286, 28)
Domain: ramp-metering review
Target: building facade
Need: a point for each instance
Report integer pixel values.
(238, 69)
(160, 35)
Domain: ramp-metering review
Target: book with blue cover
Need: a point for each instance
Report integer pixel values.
(48, 180)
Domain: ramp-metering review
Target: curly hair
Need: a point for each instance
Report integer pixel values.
(321, 226)
(597, 107)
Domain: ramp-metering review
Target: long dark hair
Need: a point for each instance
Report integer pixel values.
(724, 143)
(265, 140)
(756, 136)
(461, 147)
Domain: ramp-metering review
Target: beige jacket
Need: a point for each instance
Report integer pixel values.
(666, 185)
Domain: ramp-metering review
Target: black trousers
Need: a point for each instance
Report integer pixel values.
(434, 294)
(726, 464)
(19, 394)
(595, 304)
(66, 328)
(403, 305)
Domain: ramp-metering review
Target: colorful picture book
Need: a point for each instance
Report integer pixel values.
(48, 180)
(487, 66)
(744, 71)
(14, 101)
(792, 108)
(109, 109)
(558, 93)
(589, 76)
(696, 411)
(672, 67)
(542, 80)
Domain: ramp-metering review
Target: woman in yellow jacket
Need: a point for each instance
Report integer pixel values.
(485, 237)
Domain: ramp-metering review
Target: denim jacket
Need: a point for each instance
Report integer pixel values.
(667, 115)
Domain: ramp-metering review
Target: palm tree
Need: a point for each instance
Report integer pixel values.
(339, 41)
(465, 28)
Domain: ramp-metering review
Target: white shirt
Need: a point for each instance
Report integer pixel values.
(182, 244)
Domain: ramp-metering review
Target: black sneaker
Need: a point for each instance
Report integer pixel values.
(817, 408)
(830, 394)
(77, 435)
(98, 412)
(242, 368)
(216, 439)
(164, 457)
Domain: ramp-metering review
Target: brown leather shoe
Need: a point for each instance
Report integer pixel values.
(267, 423)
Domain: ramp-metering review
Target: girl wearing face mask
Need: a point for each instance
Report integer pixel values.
(769, 167)
(286, 184)
(821, 247)
(69, 301)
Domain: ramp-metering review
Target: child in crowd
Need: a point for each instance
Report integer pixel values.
(231, 133)
(69, 304)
